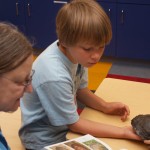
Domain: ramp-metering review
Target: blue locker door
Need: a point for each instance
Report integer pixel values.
(110, 9)
(133, 31)
(13, 11)
(40, 21)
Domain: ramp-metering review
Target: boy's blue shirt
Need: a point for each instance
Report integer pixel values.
(52, 105)
(3, 143)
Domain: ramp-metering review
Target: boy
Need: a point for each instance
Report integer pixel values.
(83, 30)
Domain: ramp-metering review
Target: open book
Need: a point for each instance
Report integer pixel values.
(86, 142)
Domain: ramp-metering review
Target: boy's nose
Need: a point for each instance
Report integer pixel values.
(96, 56)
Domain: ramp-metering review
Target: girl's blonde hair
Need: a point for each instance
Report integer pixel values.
(14, 47)
(83, 21)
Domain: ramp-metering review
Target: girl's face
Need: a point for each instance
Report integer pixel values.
(86, 55)
(13, 85)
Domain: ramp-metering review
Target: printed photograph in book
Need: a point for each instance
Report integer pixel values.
(95, 145)
(86, 142)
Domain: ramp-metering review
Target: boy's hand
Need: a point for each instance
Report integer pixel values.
(117, 108)
(147, 141)
(129, 133)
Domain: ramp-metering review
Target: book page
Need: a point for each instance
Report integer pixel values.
(86, 142)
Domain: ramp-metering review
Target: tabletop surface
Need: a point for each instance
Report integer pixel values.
(135, 94)
(10, 124)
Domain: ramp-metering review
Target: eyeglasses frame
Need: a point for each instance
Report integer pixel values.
(26, 83)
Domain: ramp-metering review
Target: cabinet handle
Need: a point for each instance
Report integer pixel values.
(122, 17)
(29, 14)
(109, 13)
(17, 11)
(60, 2)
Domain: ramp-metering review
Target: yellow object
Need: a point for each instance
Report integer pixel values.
(97, 73)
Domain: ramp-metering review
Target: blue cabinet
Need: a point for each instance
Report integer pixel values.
(110, 9)
(38, 22)
(13, 11)
(130, 23)
(41, 22)
(133, 31)
(35, 18)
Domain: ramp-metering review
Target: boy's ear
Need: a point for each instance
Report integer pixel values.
(62, 45)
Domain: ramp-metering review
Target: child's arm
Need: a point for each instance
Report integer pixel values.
(147, 141)
(102, 130)
(95, 102)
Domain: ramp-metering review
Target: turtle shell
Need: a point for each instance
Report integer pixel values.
(141, 125)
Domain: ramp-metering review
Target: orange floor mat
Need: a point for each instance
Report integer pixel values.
(97, 73)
